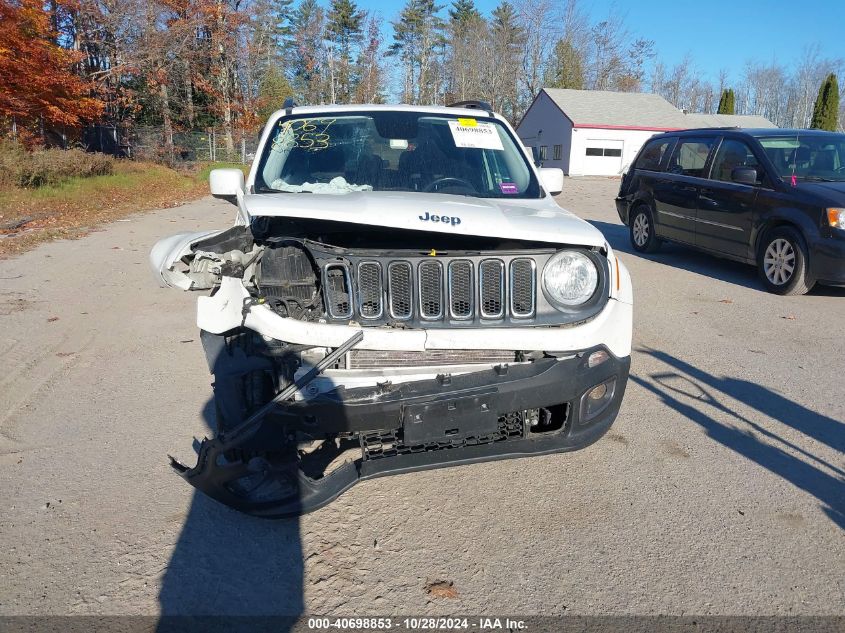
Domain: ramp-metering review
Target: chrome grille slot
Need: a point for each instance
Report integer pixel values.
(339, 291)
(461, 289)
(370, 290)
(400, 290)
(430, 280)
(523, 286)
(491, 291)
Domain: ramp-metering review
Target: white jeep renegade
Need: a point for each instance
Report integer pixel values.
(400, 291)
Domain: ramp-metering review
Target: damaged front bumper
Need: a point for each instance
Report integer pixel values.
(554, 404)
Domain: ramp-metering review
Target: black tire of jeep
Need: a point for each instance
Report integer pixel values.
(783, 262)
(255, 387)
(643, 237)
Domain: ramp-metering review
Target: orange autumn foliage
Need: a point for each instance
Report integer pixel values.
(36, 74)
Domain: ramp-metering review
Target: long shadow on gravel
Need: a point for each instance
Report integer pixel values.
(688, 390)
(232, 572)
(689, 259)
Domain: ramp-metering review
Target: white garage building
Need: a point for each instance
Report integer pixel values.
(598, 133)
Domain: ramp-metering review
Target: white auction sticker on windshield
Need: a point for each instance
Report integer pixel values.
(477, 136)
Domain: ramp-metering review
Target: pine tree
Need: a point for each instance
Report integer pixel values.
(726, 102)
(826, 111)
(344, 29)
(566, 67)
(508, 38)
(463, 12)
(417, 36)
(467, 32)
(273, 91)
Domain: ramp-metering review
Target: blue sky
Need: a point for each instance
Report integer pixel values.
(716, 33)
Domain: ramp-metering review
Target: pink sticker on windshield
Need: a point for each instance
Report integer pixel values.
(508, 187)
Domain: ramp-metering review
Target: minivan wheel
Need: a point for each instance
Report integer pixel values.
(782, 262)
(643, 238)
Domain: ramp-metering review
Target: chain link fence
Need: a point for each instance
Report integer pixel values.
(153, 143)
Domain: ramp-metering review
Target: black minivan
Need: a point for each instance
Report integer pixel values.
(770, 197)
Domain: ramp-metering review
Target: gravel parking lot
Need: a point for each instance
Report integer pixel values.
(720, 489)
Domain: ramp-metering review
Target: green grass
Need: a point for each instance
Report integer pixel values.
(70, 208)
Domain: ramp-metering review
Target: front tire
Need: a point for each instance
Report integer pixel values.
(782, 262)
(643, 237)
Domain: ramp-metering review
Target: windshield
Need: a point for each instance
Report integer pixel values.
(395, 151)
(809, 157)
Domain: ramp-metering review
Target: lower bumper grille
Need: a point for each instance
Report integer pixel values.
(379, 444)
(371, 359)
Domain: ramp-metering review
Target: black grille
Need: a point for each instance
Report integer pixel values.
(522, 287)
(492, 288)
(370, 290)
(461, 289)
(431, 289)
(401, 294)
(338, 290)
(380, 444)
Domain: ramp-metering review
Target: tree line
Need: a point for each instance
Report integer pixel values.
(193, 64)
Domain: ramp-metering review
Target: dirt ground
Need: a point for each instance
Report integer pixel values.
(719, 490)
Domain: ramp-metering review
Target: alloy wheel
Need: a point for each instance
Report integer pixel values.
(779, 261)
(641, 229)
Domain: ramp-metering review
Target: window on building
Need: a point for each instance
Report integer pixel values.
(558, 152)
(604, 151)
(732, 154)
(543, 152)
(690, 156)
(652, 155)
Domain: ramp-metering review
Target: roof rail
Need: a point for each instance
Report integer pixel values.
(701, 129)
(289, 103)
(471, 104)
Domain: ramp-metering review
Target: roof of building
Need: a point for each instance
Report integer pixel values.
(729, 120)
(638, 111)
(601, 108)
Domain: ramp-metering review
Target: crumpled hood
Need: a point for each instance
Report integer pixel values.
(535, 220)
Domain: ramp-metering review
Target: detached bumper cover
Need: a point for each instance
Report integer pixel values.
(426, 424)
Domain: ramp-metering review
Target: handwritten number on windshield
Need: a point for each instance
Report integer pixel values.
(307, 134)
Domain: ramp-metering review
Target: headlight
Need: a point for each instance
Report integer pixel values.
(570, 278)
(836, 218)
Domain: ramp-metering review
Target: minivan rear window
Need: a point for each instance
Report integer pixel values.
(652, 155)
(690, 157)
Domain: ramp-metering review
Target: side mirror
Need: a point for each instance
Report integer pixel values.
(226, 184)
(552, 179)
(744, 175)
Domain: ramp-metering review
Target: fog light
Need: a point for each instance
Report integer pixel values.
(597, 358)
(597, 399)
(597, 393)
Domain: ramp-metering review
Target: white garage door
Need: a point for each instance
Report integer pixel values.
(603, 157)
